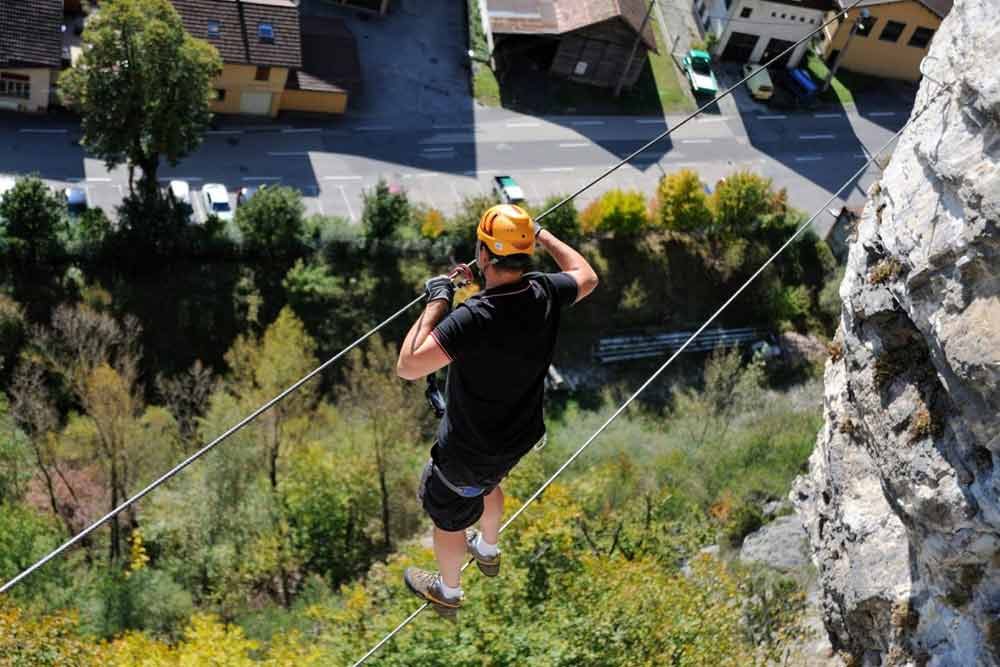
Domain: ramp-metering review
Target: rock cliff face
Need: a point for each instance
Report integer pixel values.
(902, 499)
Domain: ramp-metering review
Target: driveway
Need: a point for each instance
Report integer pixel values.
(413, 61)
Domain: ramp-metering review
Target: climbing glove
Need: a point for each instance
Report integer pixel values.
(440, 288)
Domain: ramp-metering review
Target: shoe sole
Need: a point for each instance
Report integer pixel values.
(488, 569)
(444, 611)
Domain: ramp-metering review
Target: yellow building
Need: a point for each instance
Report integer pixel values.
(261, 46)
(30, 53)
(891, 42)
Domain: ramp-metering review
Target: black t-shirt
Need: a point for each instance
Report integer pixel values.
(500, 342)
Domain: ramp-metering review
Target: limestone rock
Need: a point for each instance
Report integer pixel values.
(902, 499)
(780, 544)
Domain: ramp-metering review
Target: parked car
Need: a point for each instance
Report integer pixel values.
(508, 190)
(76, 200)
(698, 70)
(180, 191)
(789, 92)
(6, 184)
(247, 192)
(805, 82)
(760, 85)
(217, 201)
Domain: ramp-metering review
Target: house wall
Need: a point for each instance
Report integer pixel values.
(871, 55)
(314, 101)
(238, 79)
(40, 82)
(604, 50)
(771, 20)
(711, 15)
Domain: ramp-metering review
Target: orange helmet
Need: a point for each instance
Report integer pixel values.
(507, 229)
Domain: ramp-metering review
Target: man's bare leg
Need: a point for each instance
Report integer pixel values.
(489, 523)
(449, 548)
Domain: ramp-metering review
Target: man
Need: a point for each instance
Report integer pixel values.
(499, 345)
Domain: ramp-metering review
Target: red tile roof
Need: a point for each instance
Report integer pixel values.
(239, 21)
(30, 33)
(555, 17)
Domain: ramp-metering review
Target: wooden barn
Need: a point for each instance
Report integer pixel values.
(588, 41)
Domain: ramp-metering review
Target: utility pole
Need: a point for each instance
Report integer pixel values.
(635, 47)
(863, 16)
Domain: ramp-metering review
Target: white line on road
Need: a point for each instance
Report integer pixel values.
(579, 144)
(712, 119)
(121, 190)
(437, 156)
(301, 130)
(585, 123)
(519, 124)
(341, 178)
(43, 131)
(863, 156)
(881, 114)
(808, 137)
(374, 128)
(98, 180)
(828, 115)
(288, 153)
(343, 194)
(262, 178)
(696, 141)
(556, 169)
(442, 149)
(773, 117)
(808, 158)
(650, 121)
(180, 178)
(453, 127)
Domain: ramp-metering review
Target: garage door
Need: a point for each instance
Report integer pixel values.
(256, 103)
(740, 46)
(774, 47)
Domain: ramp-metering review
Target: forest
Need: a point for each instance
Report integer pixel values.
(126, 346)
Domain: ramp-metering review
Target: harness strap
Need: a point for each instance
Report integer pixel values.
(464, 491)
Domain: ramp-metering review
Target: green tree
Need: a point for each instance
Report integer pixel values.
(681, 203)
(386, 209)
(617, 212)
(142, 85)
(564, 222)
(740, 201)
(273, 220)
(335, 307)
(34, 219)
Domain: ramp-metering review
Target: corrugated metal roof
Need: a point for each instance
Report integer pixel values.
(30, 33)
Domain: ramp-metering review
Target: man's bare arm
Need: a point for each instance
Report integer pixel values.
(420, 354)
(570, 261)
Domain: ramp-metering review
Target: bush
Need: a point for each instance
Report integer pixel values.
(681, 203)
(740, 201)
(272, 221)
(616, 212)
(386, 209)
(564, 222)
(34, 219)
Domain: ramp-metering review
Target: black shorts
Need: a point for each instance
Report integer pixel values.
(447, 509)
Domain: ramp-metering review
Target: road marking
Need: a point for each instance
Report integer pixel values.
(773, 117)
(828, 115)
(121, 190)
(261, 178)
(521, 124)
(341, 178)
(442, 149)
(180, 178)
(374, 128)
(808, 158)
(696, 141)
(585, 123)
(437, 156)
(288, 153)
(343, 194)
(651, 121)
(43, 131)
(556, 169)
(863, 156)
(301, 130)
(808, 137)
(881, 114)
(98, 180)
(224, 132)
(453, 127)
(581, 144)
(719, 119)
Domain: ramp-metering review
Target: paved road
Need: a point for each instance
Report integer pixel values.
(809, 154)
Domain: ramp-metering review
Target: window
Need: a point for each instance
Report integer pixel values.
(581, 68)
(784, 15)
(921, 38)
(892, 31)
(701, 12)
(263, 73)
(729, 3)
(266, 32)
(865, 26)
(220, 94)
(746, 12)
(15, 85)
(773, 14)
(213, 29)
(707, 23)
